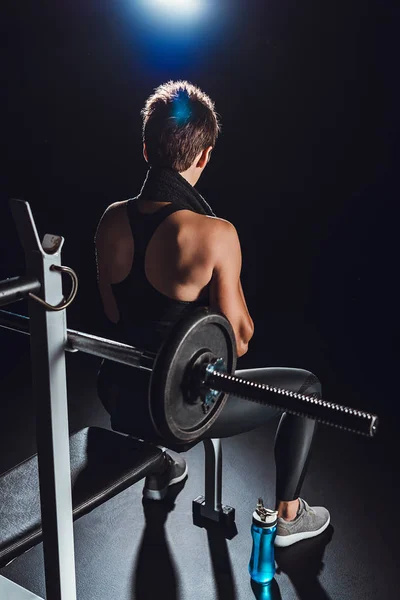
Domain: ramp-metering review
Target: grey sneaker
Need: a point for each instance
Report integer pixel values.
(309, 522)
(156, 486)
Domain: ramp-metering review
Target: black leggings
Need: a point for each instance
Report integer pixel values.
(120, 388)
(294, 434)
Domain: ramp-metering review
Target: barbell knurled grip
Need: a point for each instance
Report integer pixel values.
(335, 415)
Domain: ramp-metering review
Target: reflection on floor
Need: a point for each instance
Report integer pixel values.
(128, 550)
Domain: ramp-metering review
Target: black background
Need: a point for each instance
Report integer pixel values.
(306, 166)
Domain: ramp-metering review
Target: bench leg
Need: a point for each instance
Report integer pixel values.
(209, 507)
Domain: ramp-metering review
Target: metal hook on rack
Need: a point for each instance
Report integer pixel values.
(65, 303)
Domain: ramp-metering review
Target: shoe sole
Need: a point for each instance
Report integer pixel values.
(160, 494)
(282, 541)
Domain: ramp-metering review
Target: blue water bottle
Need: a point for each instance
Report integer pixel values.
(263, 530)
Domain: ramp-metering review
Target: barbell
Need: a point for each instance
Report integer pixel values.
(192, 376)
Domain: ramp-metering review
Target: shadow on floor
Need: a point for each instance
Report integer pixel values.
(303, 563)
(155, 574)
(221, 562)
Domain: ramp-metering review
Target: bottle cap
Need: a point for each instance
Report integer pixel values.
(265, 520)
(264, 516)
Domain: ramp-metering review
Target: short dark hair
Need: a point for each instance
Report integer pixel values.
(179, 122)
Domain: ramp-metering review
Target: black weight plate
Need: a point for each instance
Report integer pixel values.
(176, 419)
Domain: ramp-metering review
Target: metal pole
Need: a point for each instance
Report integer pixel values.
(48, 339)
(88, 343)
(335, 415)
(16, 288)
(111, 349)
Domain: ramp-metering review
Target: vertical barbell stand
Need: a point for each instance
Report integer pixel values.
(48, 338)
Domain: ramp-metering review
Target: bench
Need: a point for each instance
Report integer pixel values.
(103, 464)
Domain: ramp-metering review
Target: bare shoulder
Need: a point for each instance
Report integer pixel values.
(213, 227)
(113, 212)
(224, 228)
(208, 233)
(222, 237)
(114, 221)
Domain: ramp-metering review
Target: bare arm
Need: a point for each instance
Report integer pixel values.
(226, 292)
(247, 310)
(111, 257)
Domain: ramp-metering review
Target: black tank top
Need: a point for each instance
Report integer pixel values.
(146, 315)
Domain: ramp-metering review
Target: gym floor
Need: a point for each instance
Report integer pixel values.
(307, 170)
(128, 551)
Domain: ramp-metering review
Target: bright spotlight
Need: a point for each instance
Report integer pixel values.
(178, 10)
(174, 33)
(181, 6)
